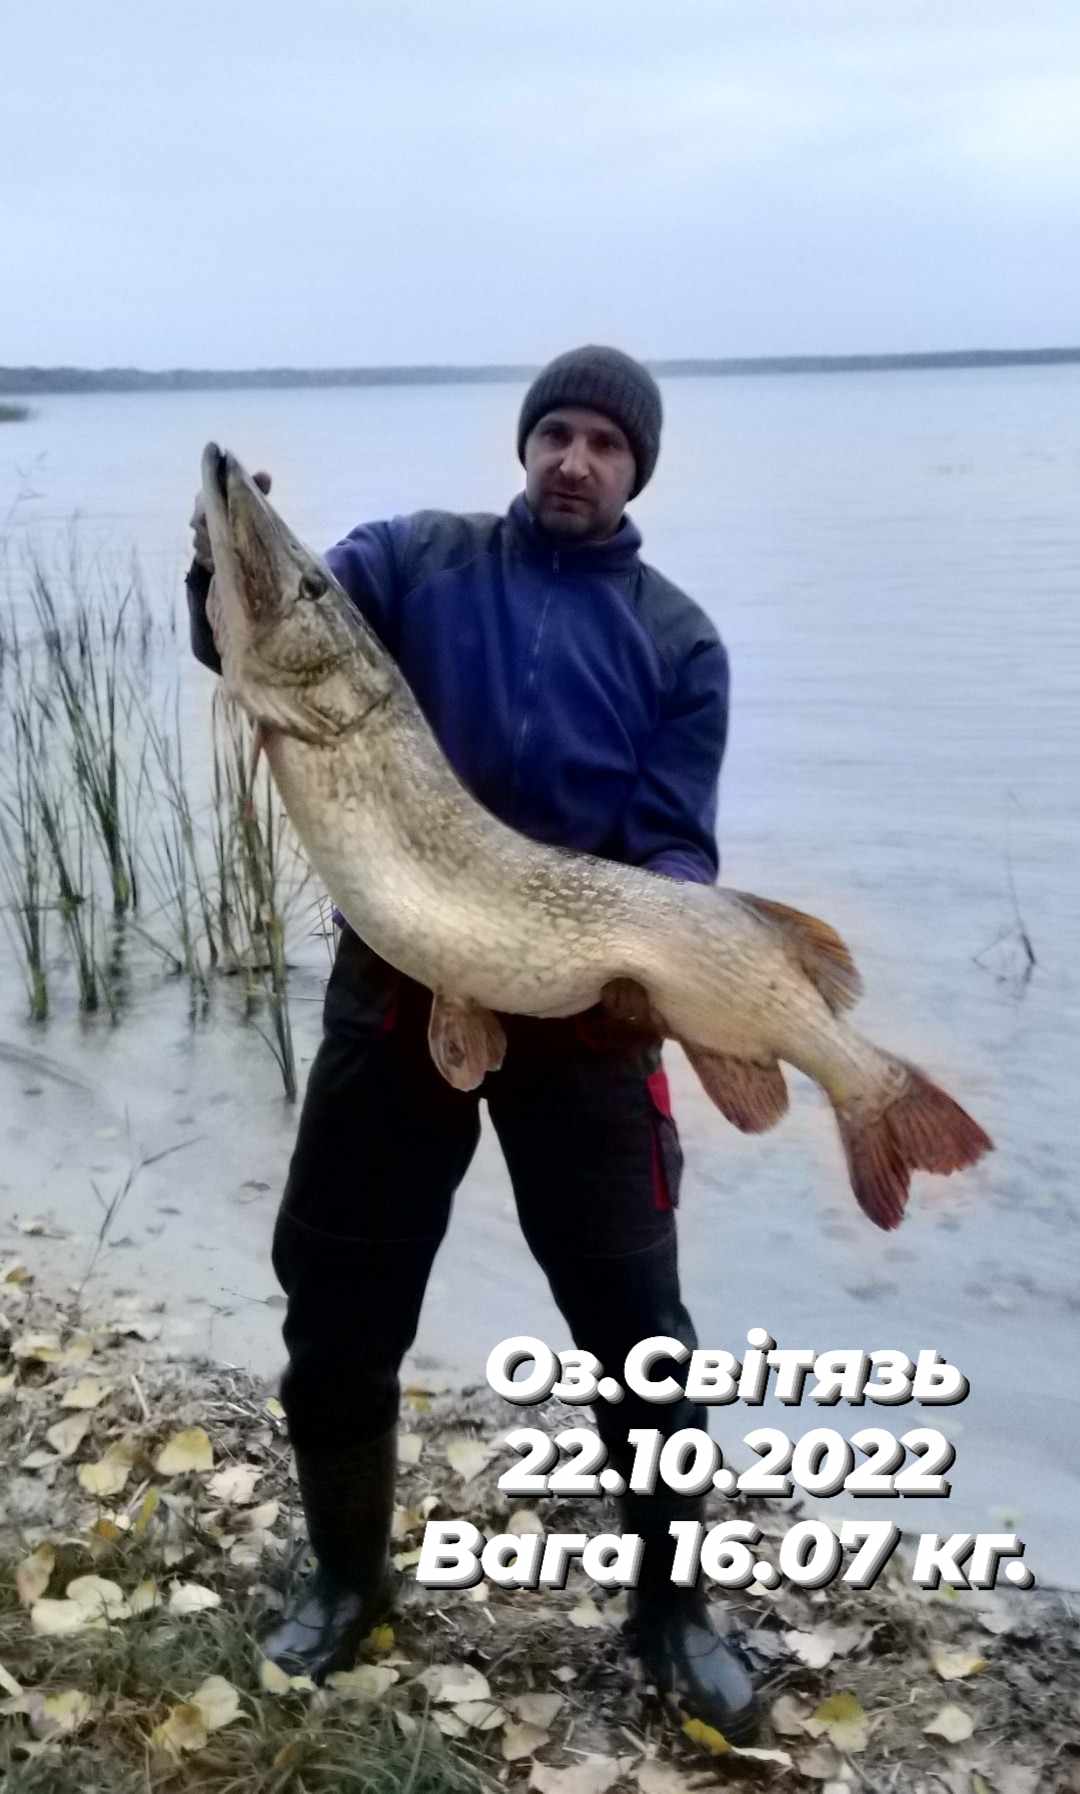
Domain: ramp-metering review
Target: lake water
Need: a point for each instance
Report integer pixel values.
(894, 563)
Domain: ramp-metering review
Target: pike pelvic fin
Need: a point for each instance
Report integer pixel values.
(818, 949)
(922, 1129)
(753, 1096)
(466, 1041)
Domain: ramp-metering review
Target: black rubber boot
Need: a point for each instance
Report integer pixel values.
(348, 1501)
(670, 1629)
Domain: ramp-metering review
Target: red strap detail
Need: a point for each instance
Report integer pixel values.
(659, 1090)
(660, 1093)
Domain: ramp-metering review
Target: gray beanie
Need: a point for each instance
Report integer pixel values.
(602, 380)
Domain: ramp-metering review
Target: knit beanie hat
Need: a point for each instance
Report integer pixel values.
(604, 380)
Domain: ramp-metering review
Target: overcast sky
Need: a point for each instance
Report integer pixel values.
(223, 183)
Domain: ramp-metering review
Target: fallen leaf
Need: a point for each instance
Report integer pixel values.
(7, 1384)
(67, 1435)
(842, 1720)
(449, 1724)
(368, 1682)
(951, 1723)
(257, 1519)
(186, 1450)
(410, 1448)
(380, 1639)
(54, 1618)
(822, 1762)
(763, 1756)
(99, 1596)
(951, 1665)
(819, 1647)
(38, 1348)
(707, 1735)
(660, 1778)
(218, 1702)
(147, 1508)
(88, 1392)
(109, 1475)
(448, 1683)
(32, 1575)
(39, 1460)
(523, 1521)
(65, 1712)
(144, 1596)
(469, 1457)
(593, 1775)
(789, 1715)
(192, 1597)
(404, 1560)
(480, 1716)
(538, 1709)
(522, 1741)
(586, 1613)
(35, 1224)
(184, 1729)
(136, 1329)
(275, 1681)
(234, 1485)
(16, 1272)
(274, 1408)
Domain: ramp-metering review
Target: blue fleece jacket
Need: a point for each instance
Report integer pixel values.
(577, 693)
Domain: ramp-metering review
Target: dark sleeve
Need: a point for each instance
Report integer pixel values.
(202, 639)
(369, 563)
(671, 820)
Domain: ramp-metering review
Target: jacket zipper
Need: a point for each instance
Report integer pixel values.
(530, 684)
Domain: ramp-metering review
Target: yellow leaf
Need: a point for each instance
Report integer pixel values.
(99, 1595)
(368, 1682)
(67, 1711)
(538, 1709)
(380, 1638)
(952, 1724)
(480, 1716)
(192, 1597)
(234, 1485)
(274, 1408)
(147, 1508)
(449, 1683)
(184, 1729)
(700, 1733)
(218, 1702)
(469, 1457)
(104, 1532)
(418, 1399)
(186, 1450)
(53, 1618)
(144, 1596)
(88, 1392)
(951, 1665)
(523, 1740)
(109, 1475)
(842, 1720)
(410, 1448)
(273, 1678)
(67, 1435)
(586, 1613)
(32, 1575)
(38, 1348)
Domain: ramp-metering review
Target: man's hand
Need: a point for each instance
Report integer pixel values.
(201, 548)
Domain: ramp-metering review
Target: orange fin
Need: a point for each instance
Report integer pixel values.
(752, 1096)
(922, 1129)
(466, 1041)
(820, 952)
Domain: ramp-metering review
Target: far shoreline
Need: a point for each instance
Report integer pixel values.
(26, 381)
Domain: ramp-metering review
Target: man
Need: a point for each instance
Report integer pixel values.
(583, 699)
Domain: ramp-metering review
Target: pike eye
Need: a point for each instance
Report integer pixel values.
(312, 585)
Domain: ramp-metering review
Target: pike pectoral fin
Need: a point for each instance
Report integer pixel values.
(753, 1096)
(466, 1041)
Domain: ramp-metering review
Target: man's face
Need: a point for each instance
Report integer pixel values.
(579, 470)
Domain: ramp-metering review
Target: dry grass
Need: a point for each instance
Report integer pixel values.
(163, 1528)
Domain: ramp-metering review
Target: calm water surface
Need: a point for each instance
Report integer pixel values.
(894, 563)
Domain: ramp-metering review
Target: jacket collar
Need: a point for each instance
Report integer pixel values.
(615, 555)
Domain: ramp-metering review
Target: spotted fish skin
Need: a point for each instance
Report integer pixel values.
(493, 923)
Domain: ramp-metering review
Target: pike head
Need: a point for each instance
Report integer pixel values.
(295, 653)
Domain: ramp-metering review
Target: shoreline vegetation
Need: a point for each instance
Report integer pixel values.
(14, 414)
(23, 380)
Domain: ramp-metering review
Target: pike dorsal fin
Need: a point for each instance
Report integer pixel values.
(820, 952)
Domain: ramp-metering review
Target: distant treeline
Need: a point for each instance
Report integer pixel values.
(14, 414)
(36, 380)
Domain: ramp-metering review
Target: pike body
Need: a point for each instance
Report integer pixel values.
(492, 922)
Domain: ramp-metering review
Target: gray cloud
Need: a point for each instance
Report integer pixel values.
(351, 182)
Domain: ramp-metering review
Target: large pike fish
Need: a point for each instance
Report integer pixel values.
(492, 922)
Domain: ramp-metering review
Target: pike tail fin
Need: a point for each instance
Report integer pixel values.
(921, 1129)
